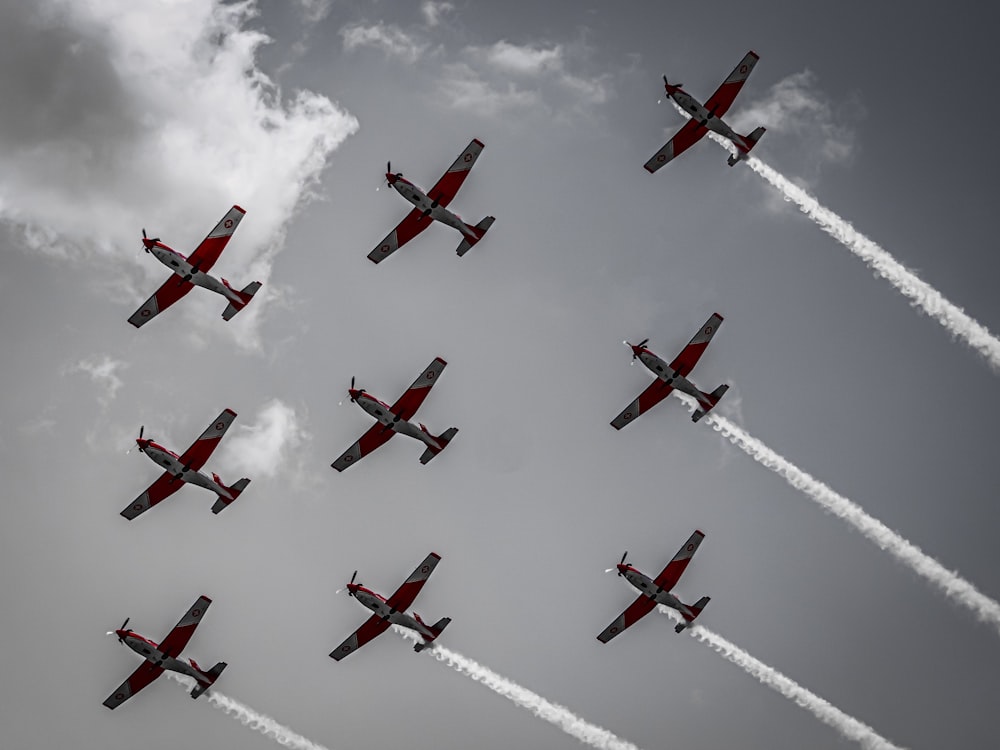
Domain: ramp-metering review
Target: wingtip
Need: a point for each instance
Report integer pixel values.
(239, 208)
(481, 144)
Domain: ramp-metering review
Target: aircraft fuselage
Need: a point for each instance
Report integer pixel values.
(662, 370)
(171, 462)
(381, 607)
(151, 653)
(383, 413)
(425, 203)
(187, 272)
(648, 587)
(698, 112)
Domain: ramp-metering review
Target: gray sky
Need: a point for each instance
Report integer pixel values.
(115, 119)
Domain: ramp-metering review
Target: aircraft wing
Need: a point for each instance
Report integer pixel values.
(446, 188)
(374, 626)
(635, 612)
(410, 401)
(691, 353)
(177, 638)
(654, 394)
(403, 597)
(414, 223)
(172, 290)
(211, 247)
(672, 573)
(720, 102)
(376, 435)
(692, 132)
(196, 456)
(135, 682)
(164, 486)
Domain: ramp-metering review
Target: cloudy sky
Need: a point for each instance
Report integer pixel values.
(118, 116)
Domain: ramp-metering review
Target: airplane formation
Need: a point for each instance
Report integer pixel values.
(428, 207)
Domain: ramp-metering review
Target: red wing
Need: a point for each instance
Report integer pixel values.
(177, 638)
(686, 137)
(211, 247)
(446, 188)
(172, 290)
(671, 574)
(403, 597)
(410, 401)
(720, 102)
(135, 682)
(654, 394)
(376, 435)
(374, 626)
(414, 223)
(165, 486)
(196, 456)
(691, 353)
(635, 612)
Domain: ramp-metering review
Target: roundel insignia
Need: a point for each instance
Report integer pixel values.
(613, 630)
(120, 696)
(627, 415)
(384, 248)
(145, 313)
(430, 375)
(743, 68)
(228, 224)
(690, 547)
(467, 158)
(345, 648)
(219, 425)
(348, 458)
(661, 158)
(137, 506)
(708, 329)
(425, 568)
(196, 613)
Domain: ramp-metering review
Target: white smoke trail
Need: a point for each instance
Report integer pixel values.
(553, 713)
(821, 708)
(250, 718)
(952, 584)
(919, 292)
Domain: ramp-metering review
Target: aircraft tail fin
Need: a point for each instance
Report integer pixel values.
(696, 609)
(712, 399)
(222, 502)
(750, 141)
(479, 230)
(443, 439)
(245, 295)
(437, 628)
(213, 675)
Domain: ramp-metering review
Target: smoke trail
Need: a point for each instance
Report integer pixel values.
(952, 584)
(250, 718)
(553, 713)
(919, 292)
(821, 708)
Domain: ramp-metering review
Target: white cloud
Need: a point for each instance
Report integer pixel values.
(263, 448)
(522, 59)
(389, 38)
(315, 11)
(434, 11)
(104, 132)
(464, 88)
(103, 372)
(795, 106)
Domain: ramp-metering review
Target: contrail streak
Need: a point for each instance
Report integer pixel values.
(952, 584)
(250, 718)
(919, 292)
(553, 713)
(821, 708)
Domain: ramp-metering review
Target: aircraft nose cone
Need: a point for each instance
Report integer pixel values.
(636, 350)
(352, 588)
(622, 568)
(390, 178)
(354, 393)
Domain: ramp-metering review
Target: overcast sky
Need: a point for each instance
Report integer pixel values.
(118, 116)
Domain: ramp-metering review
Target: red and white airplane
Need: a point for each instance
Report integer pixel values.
(165, 656)
(395, 418)
(432, 205)
(185, 468)
(708, 116)
(193, 271)
(392, 611)
(673, 376)
(657, 591)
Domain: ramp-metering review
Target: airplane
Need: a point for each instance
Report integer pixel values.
(673, 376)
(185, 468)
(164, 656)
(395, 418)
(193, 271)
(392, 611)
(657, 591)
(708, 116)
(433, 204)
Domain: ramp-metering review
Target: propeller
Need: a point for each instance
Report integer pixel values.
(146, 242)
(112, 632)
(355, 575)
(609, 570)
(633, 347)
(141, 449)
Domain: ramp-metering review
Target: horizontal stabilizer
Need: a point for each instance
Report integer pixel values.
(750, 141)
(713, 399)
(437, 628)
(443, 439)
(696, 609)
(479, 230)
(245, 295)
(213, 675)
(222, 502)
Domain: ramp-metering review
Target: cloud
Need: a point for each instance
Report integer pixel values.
(389, 38)
(795, 106)
(103, 371)
(464, 88)
(103, 132)
(522, 59)
(262, 449)
(314, 11)
(433, 11)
